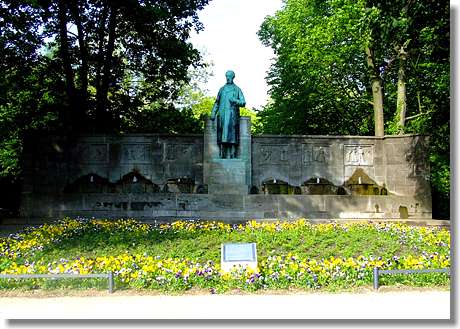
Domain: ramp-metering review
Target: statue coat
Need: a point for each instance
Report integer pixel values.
(227, 109)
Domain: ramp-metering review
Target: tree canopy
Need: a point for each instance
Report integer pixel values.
(342, 67)
(92, 66)
(362, 67)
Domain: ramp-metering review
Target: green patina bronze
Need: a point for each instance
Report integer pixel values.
(227, 110)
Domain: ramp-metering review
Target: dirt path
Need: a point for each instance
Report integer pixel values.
(426, 304)
(40, 293)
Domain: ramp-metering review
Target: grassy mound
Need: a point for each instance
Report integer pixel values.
(186, 254)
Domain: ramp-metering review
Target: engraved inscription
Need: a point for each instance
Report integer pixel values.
(92, 153)
(358, 155)
(315, 154)
(136, 153)
(274, 153)
(111, 205)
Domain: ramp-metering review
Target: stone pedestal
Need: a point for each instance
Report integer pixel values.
(227, 176)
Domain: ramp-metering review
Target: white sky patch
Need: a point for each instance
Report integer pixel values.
(230, 42)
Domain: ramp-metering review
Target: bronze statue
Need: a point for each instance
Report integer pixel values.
(227, 109)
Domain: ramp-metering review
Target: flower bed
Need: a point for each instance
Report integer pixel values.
(32, 251)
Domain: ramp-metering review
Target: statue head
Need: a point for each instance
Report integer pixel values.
(230, 75)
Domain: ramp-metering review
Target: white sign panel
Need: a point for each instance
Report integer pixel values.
(238, 254)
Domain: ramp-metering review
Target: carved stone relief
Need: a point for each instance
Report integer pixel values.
(179, 152)
(92, 153)
(274, 153)
(138, 153)
(358, 155)
(312, 154)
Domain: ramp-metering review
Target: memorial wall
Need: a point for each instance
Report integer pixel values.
(160, 177)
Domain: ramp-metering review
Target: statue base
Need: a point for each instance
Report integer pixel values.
(227, 176)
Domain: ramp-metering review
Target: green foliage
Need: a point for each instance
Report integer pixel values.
(428, 83)
(161, 118)
(319, 83)
(28, 103)
(91, 65)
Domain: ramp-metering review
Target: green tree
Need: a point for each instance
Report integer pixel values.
(120, 40)
(90, 65)
(417, 78)
(343, 65)
(318, 82)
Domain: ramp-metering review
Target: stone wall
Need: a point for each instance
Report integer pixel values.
(97, 164)
(397, 164)
(230, 207)
(153, 176)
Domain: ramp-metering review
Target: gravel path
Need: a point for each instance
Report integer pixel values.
(371, 305)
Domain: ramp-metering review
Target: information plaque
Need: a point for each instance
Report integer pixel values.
(238, 254)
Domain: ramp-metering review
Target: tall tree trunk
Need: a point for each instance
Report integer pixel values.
(100, 57)
(109, 52)
(377, 94)
(83, 74)
(65, 57)
(81, 110)
(401, 104)
(102, 92)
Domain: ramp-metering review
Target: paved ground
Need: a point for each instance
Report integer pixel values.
(381, 305)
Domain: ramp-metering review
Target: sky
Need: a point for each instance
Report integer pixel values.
(230, 42)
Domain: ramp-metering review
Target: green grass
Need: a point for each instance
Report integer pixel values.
(205, 245)
(177, 257)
